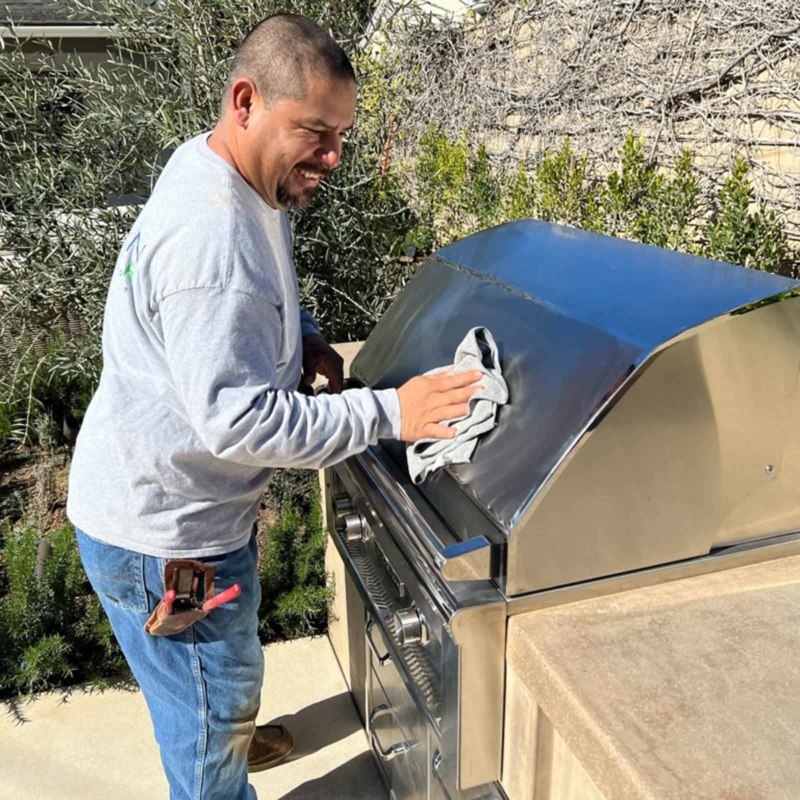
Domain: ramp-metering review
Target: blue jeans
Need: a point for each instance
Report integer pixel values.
(202, 686)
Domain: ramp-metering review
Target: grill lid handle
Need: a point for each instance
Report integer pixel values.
(468, 560)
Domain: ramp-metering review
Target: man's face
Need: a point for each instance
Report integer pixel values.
(289, 147)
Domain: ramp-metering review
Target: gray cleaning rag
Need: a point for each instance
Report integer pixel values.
(477, 351)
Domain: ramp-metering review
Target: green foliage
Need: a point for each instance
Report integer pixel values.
(441, 169)
(564, 193)
(638, 202)
(482, 190)
(752, 238)
(670, 216)
(56, 375)
(5, 425)
(52, 628)
(628, 193)
(45, 664)
(53, 631)
(295, 597)
(520, 200)
(347, 245)
(460, 192)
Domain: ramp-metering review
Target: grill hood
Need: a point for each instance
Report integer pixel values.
(653, 412)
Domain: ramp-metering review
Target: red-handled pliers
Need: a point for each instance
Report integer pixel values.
(214, 602)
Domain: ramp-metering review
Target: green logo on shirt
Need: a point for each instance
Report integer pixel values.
(134, 248)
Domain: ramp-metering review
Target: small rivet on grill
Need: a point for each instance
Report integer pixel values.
(769, 469)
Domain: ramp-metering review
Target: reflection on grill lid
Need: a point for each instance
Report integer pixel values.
(602, 336)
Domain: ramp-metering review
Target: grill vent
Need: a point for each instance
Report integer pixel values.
(415, 657)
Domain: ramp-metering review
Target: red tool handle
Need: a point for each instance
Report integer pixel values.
(169, 599)
(222, 598)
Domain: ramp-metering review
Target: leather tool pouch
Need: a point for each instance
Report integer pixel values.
(193, 583)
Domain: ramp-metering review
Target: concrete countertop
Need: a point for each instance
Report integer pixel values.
(685, 690)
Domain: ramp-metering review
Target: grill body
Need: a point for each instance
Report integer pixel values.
(651, 433)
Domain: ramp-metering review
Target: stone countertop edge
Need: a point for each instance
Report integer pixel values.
(689, 689)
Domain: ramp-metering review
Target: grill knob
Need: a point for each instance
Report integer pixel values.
(410, 627)
(355, 527)
(342, 505)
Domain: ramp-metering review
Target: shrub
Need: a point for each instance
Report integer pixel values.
(671, 215)
(752, 238)
(53, 630)
(629, 193)
(295, 597)
(459, 192)
(564, 191)
(520, 200)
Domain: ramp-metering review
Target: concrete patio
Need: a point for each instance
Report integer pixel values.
(98, 745)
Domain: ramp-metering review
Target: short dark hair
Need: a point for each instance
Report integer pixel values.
(281, 51)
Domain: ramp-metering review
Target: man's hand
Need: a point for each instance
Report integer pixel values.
(320, 357)
(427, 400)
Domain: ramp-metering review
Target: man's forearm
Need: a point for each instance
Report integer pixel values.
(288, 429)
(222, 353)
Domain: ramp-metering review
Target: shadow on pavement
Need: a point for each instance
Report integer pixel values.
(321, 724)
(356, 780)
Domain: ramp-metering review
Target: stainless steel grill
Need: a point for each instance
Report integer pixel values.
(651, 433)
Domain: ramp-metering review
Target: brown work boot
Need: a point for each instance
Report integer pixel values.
(270, 745)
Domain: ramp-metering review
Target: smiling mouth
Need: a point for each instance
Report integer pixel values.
(308, 177)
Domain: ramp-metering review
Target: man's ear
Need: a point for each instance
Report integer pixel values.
(243, 95)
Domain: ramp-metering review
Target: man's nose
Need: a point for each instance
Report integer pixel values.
(330, 153)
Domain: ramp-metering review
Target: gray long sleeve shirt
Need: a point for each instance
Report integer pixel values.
(202, 354)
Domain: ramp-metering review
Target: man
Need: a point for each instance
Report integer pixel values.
(204, 344)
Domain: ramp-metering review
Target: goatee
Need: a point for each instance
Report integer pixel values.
(291, 201)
